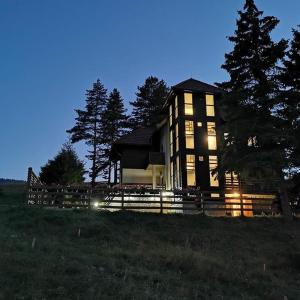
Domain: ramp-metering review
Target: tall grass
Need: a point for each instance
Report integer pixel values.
(143, 256)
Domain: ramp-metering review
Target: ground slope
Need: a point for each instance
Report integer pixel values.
(143, 256)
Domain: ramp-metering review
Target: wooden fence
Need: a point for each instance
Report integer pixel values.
(213, 203)
(161, 201)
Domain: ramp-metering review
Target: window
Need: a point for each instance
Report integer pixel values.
(177, 172)
(172, 174)
(171, 115)
(252, 141)
(176, 137)
(171, 143)
(189, 134)
(188, 104)
(211, 136)
(190, 168)
(213, 163)
(210, 105)
(176, 107)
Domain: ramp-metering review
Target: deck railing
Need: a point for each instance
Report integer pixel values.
(214, 203)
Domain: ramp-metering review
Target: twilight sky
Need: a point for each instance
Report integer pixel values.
(53, 50)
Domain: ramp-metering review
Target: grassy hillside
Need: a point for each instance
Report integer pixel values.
(143, 256)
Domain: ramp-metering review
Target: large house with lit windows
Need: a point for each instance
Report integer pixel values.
(180, 151)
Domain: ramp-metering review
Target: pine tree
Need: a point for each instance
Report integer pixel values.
(290, 107)
(149, 102)
(65, 168)
(253, 146)
(115, 122)
(290, 111)
(89, 128)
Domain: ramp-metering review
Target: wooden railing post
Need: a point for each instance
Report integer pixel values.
(241, 198)
(201, 196)
(122, 199)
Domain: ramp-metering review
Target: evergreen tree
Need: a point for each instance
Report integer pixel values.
(149, 102)
(290, 108)
(89, 128)
(253, 146)
(115, 124)
(64, 169)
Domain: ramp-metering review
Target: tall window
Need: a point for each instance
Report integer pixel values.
(211, 136)
(176, 107)
(210, 105)
(189, 134)
(171, 115)
(213, 163)
(171, 143)
(188, 104)
(172, 173)
(176, 137)
(190, 168)
(177, 176)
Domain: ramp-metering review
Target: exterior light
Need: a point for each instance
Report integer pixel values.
(96, 204)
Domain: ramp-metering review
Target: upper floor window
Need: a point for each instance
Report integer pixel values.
(189, 134)
(213, 164)
(188, 104)
(176, 107)
(210, 105)
(211, 136)
(190, 168)
(171, 115)
(176, 137)
(171, 143)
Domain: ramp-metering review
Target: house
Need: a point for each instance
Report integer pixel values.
(180, 151)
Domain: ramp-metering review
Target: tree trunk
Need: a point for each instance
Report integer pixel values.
(115, 172)
(109, 173)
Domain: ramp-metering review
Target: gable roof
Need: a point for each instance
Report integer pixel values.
(196, 86)
(140, 136)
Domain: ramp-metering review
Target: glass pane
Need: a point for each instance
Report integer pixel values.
(189, 141)
(210, 111)
(188, 98)
(210, 100)
(211, 128)
(213, 163)
(188, 109)
(191, 178)
(212, 142)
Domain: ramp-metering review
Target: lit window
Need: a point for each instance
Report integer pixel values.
(211, 136)
(176, 107)
(171, 115)
(171, 143)
(172, 174)
(189, 134)
(213, 163)
(177, 172)
(210, 105)
(188, 104)
(176, 137)
(231, 180)
(190, 168)
(252, 141)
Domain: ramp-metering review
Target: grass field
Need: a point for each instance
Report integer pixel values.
(143, 256)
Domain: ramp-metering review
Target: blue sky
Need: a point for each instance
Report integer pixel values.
(53, 50)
